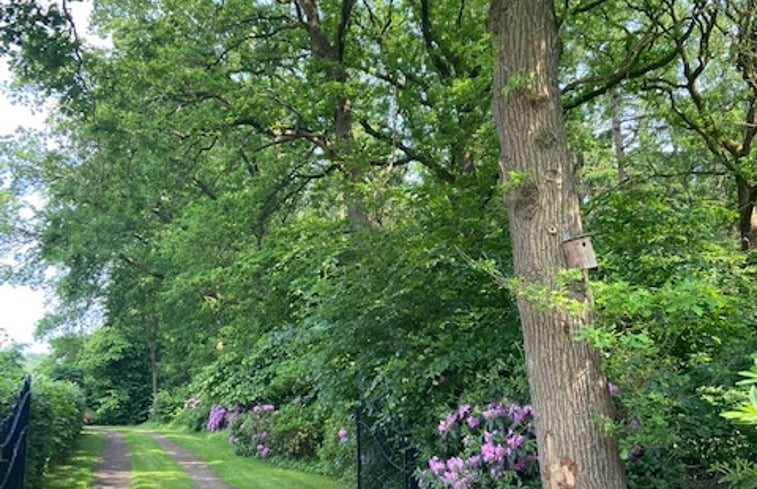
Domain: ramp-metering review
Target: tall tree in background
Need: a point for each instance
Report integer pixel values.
(711, 90)
(568, 390)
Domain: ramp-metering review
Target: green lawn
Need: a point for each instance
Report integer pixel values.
(77, 472)
(246, 472)
(153, 468)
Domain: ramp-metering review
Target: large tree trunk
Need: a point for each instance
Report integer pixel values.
(568, 391)
(747, 198)
(153, 341)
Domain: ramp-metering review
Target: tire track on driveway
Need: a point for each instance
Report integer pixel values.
(198, 470)
(113, 469)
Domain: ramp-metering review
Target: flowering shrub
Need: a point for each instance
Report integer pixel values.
(193, 415)
(298, 432)
(217, 418)
(250, 430)
(489, 446)
(338, 447)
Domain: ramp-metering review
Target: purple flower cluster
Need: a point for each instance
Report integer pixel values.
(250, 430)
(217, 418)
(455, 472)
(482, 444)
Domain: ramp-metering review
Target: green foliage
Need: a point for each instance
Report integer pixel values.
(43, 48)
(11, 375)
(166, 406)
(674, 303)
(57, 411)
(192, 416)
(250, 431)
(746, 412)
(337, 453)
(238, 241)
(63, 362)
(115, 378)
(297, 433)
(738, 474)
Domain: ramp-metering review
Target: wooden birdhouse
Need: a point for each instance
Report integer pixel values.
(579, 253)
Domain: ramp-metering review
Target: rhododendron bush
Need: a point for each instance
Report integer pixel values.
(488, 446)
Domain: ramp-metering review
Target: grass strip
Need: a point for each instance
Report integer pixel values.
(246, 472)
(152, 467)
(78, 470)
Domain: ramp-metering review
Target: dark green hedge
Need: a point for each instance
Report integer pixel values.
(56, 422)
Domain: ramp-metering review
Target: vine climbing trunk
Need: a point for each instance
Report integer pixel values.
(568, 391)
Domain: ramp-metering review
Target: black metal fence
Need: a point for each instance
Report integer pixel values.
(13, 434)
(385, 458)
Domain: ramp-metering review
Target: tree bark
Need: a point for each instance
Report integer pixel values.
(342, 149)
(153, 345)
(747, 198)
(568, 391)
(617, 135)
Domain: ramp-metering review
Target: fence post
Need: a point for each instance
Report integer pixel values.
(359, 439)
(13, 436)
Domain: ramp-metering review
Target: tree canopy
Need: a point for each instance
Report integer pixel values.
(304, 203)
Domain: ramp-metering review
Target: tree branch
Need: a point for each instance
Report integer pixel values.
(341, 30)
(439, 170)
(313, 24)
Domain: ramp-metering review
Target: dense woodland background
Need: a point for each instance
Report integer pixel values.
(274, 202)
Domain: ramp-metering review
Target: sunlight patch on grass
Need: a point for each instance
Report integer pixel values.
(78, 471)
(246, 472)
(152, 467)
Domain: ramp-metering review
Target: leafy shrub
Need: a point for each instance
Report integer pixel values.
(339, 446)
(746, 413)
(11, 374)
(57, 412)
(296, 432)
(115, 378)
(251, 431)
(193, 416)
(675, 319)
(741, 473)
(166, 405)
(738, 474)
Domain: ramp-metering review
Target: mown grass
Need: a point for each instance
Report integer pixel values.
(152, 467)
(78, 470)
(246, 472)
